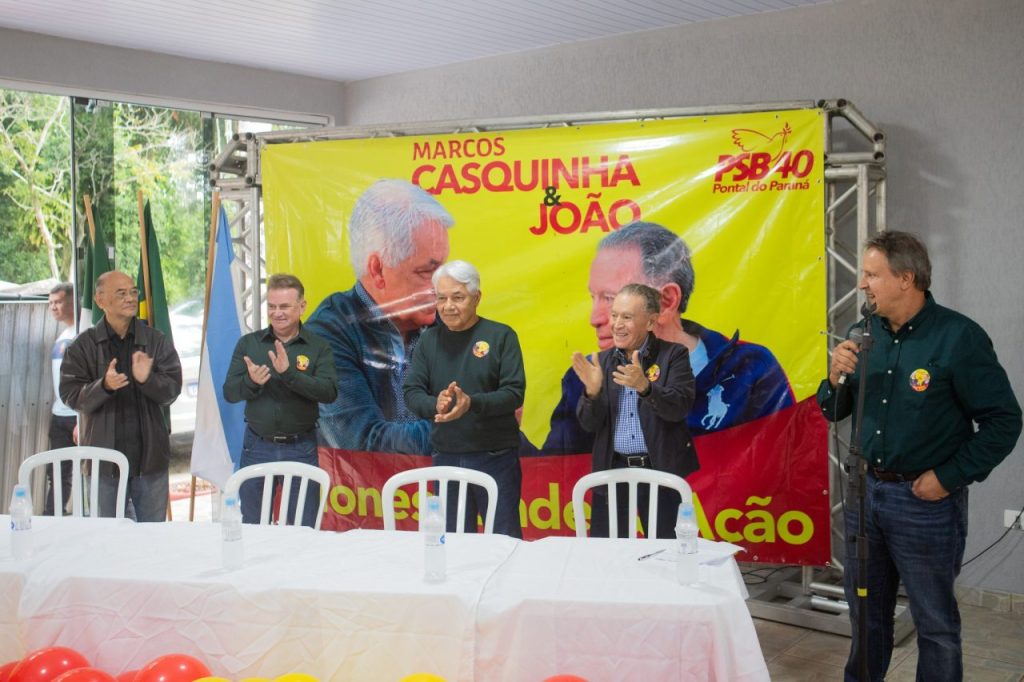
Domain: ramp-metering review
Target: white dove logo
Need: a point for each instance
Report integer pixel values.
(753, 141)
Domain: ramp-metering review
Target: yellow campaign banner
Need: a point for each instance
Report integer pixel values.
(732, 208)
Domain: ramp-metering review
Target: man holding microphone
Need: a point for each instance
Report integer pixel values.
(932, 375)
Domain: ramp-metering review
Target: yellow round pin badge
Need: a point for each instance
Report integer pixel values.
(481, 348)
(653, 372)
(301, 363)
(919, 380)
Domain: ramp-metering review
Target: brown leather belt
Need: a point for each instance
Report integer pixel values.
(893, 477)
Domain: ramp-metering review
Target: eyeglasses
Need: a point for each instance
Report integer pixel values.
(125, 294)
(457, 299)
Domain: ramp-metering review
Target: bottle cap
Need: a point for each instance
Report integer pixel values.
(20, 491)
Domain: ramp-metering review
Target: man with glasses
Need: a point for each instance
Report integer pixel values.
(467, 377)
(119, 375)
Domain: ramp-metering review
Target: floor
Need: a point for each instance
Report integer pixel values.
(993, 650)
(993, 641)
(205, 499)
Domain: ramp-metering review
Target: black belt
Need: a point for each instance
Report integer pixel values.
(893, 477)
(284, 438)
(642, 460)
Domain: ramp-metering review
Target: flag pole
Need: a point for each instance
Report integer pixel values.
(211, 254)
(89, 219)
(144, 241)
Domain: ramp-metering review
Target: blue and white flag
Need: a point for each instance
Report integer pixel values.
(219, 424)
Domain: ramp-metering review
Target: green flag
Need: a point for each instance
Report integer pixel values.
(97, 262)
(153, 299)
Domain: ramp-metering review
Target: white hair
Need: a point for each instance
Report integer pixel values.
(384, 219)
(461, 272)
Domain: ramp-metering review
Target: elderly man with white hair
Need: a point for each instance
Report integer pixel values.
(398, 237)
(467, 377)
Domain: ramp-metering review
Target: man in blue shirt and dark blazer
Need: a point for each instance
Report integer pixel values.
(635, 399)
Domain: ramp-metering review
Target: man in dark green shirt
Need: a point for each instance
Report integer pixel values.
(932, 375)
(282, 372)
(467, 377)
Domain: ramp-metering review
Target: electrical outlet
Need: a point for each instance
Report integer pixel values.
(1010, 519)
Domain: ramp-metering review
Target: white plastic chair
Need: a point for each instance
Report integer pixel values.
(77, 454)
(288, 470)
(632, 477)
(443, 475)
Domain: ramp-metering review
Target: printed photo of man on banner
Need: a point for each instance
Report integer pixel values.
(722, 215)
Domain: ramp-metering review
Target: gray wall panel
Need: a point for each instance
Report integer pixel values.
(27, 333)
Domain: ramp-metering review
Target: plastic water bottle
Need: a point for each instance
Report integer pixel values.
(232, 552)
(21, 524)
(687, 569)
(432, 525)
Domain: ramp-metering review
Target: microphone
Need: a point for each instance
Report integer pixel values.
(857, 336)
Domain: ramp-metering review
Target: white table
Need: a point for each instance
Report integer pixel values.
(334, 605)
(591, 608)
(354, 606)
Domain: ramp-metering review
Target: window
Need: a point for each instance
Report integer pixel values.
(56, 150)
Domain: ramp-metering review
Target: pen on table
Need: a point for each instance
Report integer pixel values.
(648, 556)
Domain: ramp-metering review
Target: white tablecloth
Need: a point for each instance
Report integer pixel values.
(592, 609)
(354, 606)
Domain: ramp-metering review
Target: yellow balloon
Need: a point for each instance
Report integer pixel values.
(296, 677)
(422, 677)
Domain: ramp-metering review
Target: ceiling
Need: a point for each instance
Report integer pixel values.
(348, 40)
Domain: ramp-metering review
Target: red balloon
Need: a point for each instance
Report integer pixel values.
(43, 665)
(565, 678)
(126, 676)
(6, 668)
(85, 675)
(173, 668)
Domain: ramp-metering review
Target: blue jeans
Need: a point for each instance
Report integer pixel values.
(146, 500)
(255, 450)
(503, 466)
(921, 543)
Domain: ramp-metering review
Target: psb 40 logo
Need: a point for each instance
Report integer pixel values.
(763, 154)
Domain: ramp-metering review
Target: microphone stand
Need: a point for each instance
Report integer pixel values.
(856, 470)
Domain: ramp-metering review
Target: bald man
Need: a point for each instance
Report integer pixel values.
(119, 375)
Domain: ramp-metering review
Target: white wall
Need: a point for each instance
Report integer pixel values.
(942, 78)
(73, 67)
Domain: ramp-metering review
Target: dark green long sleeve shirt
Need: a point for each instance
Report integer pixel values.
(928, 384)
(487, 363)
(289, 402)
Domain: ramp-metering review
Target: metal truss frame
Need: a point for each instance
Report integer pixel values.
(855, 195)
(234, 174)
(855, 209)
